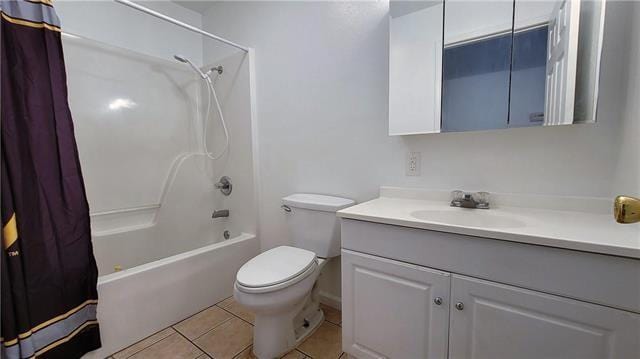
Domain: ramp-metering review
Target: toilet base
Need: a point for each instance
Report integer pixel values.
(275, 336)
(313, 323)
(284, 318)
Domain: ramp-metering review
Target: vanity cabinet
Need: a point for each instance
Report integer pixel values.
(390, 311)
(410, 293)
(490, 320)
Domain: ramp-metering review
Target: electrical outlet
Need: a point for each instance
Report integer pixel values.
(413, 164)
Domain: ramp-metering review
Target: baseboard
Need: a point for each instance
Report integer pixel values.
(331, 300)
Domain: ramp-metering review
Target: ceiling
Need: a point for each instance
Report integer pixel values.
(199, 6)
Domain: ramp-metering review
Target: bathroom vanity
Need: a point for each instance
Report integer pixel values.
(532, 277)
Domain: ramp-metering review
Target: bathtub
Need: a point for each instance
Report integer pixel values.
(137, 302)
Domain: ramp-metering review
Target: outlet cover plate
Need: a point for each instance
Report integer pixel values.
(413, 164)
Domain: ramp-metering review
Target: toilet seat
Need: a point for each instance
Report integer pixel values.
(275, 269)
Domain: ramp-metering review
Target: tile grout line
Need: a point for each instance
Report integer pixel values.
(172, 326)
(234, 315)
(204, 352)
(203, 334)
(227, 320)
(194, 344)
(141, 340)
(210, 329)
(243, 349)
(311, 357)
(230, 312)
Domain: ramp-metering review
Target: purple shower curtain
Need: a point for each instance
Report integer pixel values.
(49, 273)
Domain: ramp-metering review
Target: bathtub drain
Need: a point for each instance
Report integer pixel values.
(226, 234)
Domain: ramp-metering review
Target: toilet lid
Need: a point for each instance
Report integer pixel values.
(275, 266)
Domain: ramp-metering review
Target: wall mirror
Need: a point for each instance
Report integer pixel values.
(476, 65)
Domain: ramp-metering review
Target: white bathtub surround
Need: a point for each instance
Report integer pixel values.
(141, 122)
(577, 223)
(127, 152)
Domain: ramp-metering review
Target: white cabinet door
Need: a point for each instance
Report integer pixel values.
(499, 321)
(415, 70)
(390, 311)
(472, 20)
(562, 60)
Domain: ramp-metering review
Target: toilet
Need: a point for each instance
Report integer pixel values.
(279, 285)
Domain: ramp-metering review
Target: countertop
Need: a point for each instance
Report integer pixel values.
(547, 221)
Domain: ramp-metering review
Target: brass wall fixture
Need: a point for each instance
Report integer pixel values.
(626, 209)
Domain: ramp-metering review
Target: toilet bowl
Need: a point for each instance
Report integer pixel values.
(276, 302)
(280, 285)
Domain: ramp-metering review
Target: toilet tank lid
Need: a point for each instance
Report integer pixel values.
(318, 202)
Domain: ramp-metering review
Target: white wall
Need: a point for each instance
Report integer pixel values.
(322, 111)
(626, 165)
(118, 25)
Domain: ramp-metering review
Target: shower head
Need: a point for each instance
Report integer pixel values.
(195, 68)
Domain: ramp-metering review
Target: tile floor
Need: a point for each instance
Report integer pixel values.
(225, 330)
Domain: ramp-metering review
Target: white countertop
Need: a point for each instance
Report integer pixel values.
(550, 221)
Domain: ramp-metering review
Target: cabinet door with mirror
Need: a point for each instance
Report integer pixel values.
(481, 65)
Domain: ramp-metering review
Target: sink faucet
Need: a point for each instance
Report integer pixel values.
(479, 200)
(220, 213)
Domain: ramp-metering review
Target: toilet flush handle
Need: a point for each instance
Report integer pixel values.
(286, 208)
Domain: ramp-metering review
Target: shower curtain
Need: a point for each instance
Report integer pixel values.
(49, 274)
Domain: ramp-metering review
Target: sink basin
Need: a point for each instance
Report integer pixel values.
(479, 218)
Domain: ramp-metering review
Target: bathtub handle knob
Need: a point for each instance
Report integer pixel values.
(286, 208)
(224, 185)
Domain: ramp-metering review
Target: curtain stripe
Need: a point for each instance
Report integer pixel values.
(17, 353)
(67, 338)
(49, 322)
(30, 11)
(37, 25)
(53, 335)
(44, 2)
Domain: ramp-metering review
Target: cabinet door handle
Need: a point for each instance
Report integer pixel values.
(459, 306)
(437, 300)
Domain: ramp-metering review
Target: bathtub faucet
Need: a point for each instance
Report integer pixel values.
(224, 185)
(220, 213)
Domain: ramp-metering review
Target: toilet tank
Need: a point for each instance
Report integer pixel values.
(312, 222)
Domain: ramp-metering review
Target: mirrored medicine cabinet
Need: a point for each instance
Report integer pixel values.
(484, 65)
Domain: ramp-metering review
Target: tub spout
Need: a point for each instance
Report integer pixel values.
(220, 213)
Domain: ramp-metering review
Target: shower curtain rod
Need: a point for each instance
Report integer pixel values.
(179, 23)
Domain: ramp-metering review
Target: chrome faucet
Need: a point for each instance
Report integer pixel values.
(220, 213)
(479, 200)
